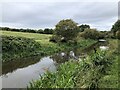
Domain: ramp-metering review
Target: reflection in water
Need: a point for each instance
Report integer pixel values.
(22, 76)
(102, 40)
(19, 63)
(104, 47)
(96, 45)
(64, 56)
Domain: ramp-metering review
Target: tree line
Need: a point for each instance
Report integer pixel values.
(68, 29)
(41, 31)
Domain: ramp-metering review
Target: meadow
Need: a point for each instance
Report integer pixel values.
(42, 38)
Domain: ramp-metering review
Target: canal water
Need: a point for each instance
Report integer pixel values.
(18, 73)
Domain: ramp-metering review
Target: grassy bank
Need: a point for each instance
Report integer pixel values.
(99, 70)
(111, 80)
(81, 74)
(19, 45)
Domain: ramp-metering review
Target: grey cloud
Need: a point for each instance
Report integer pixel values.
(41, 15)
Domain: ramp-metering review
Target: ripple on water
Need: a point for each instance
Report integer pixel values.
(104, 47)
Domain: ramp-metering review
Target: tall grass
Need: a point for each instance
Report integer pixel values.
(87, 73)
(111, 80)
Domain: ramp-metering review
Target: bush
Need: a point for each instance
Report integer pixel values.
(90, 34)
(48, 31)
(118, 34)
(115, 27)
(13, 47)
(54, 39)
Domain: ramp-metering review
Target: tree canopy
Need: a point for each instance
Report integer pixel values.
(91, 34)
(116, 27)
(67, 29)
(83, 27)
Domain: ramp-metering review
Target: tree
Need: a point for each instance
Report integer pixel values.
(116, 27)
(5, 28)
(66, 29)
(118, 34)
(83, 27)
(40, 31)
(48, 31)
(91, 34)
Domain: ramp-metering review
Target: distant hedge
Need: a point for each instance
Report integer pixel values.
(41, 31)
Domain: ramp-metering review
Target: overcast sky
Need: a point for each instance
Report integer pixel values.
(36, 15)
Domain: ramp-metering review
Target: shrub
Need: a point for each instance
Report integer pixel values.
(118, 34)
(115, 27)
(91, 34)
(17, 47)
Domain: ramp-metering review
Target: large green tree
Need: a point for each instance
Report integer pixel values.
(83, 27)
(116, 27)
(67, 29)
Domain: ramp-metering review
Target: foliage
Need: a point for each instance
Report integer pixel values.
(48, 31)
(109, 34)
(116, 27)
(40, 31)
(45, 31)
(91, 34)
(83, 27)
(98, 66)
(76, 74)
(64, 77)
(45, 48)
(54, 39)
(111, 80)
(118, 34)
(14, 46)
(66, 29)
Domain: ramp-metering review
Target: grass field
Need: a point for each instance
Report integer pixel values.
(42, 38)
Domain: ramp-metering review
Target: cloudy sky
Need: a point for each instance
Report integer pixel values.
(35, 15)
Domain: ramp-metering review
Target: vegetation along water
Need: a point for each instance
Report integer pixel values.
(68, 56)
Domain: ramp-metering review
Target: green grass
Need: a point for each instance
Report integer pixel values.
(46, 47)
(27, 35)
(64, 77)
(42, 38)
(111, 80)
